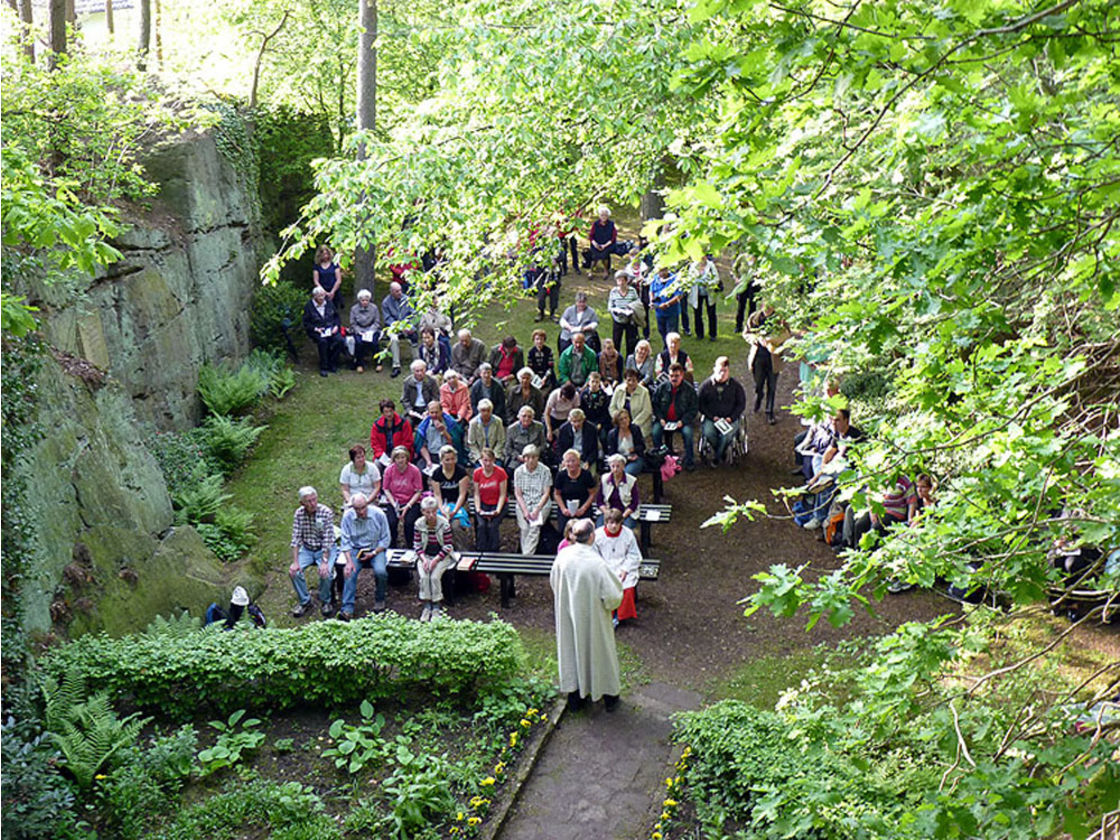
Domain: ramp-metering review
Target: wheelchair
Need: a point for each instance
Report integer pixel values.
(736, 450)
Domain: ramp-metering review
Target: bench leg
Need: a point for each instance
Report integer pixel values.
(645, 529)
(507, 589)
(658, 487)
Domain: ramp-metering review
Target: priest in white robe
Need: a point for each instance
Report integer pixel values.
(619, 547)
(585, 591)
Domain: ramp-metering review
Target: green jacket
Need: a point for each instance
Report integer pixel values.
(590, 363)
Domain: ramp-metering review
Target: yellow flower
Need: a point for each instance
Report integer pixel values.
(665, 816)
(655, 836)
(526, 722)
(101, 776)
(474, 820)
(670, 803)
(460, 816)
(668, 782)
(489, 780)
(513, 739)
(454, 830)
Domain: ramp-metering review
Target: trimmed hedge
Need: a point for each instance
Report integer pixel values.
(326, 662)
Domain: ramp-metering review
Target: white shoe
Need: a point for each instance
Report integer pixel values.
(426, 614)
(813, 524)
(436, 614)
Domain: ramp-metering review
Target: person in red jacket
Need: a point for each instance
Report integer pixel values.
(389, 430)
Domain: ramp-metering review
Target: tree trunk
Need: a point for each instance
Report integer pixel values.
(157, 27)
(260, 57)
(58, 28)
(26, 22)
(71, 14)
(365, 260)
(145, 34)
(109, 16)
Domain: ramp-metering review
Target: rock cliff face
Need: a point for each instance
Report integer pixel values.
(107, 555)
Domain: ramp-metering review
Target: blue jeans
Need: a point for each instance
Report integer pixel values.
(659, 435)
(635, 468)
(667, 321)
(307, 557)
(379, 562)
(717, 441)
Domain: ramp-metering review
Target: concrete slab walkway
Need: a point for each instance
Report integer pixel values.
(602, 775)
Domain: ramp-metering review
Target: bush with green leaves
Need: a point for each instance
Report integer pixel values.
(228, 441)
(182, 459)
(146, 784)
(277, 307)
(38, 800)
(237, 736)
(374, 658)
(419, 792)
(226, 530)
(357, 746)
(225, 391)
(260, 809)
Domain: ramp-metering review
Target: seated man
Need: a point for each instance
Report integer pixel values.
(365, 538)
(579, 318)
(433, 353)
(506, 359)
(486, 431)
(434, 432)
(487, 387)
(582, 436)
(455, 397)
(467, 354)
(834, 460)
(322, 326)
(396, 310)
(365, 325)
(524, 432)
(577, 362)
(418, 390)
(722, 402)
(312, 544)
(675, 406)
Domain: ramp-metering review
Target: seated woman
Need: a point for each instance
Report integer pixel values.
(389, 431)
(506, 359)
(531, 484)
(491, 492)
(540, 360)
(619, 547)
(596, 405)
(610, 363)
(365, 326)
(900, 505)
(643, 362)
(359, 476)
(403, 485)
(559, 406)
(434, 353)
(432, 544)
(618, 490)
(455, 397)
(573, 491)
(449, 483)
(626, 439)
(673, 353)
(524, 392)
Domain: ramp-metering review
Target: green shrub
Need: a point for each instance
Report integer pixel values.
(275, 308)
(358, 746)
(419, 793)
(228, 441)
(326, 662)
(257, 809)
(226, 391)
(183, 624)
(201, 502)
(182, 459)
(281, 378)
(236, 736)
(146, 784)
(38, 801)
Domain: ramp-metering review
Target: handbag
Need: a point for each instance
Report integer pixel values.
(669, 467)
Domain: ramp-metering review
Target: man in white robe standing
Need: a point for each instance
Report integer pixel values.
(585, 592)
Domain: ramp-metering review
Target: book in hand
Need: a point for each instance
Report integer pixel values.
(326, 331)
(723, 426)
(673, 425)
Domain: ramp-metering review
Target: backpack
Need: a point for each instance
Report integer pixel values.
(258, 617)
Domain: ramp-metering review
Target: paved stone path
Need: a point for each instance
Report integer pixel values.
(600, 774)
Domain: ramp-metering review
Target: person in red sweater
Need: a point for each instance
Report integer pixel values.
(389, 430)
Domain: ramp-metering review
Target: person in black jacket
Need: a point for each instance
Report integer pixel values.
(581, 435)
(722, 402)
(675, 406)
(323, 327)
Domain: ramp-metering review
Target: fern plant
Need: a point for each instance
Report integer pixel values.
(227, 392)
(281, 382)
(87, 731)
(173, 626)
(201, 502)
(229, 441)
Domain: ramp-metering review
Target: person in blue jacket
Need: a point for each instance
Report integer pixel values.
(435, 431)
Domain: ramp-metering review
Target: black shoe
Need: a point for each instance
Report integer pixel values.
(323, 373)
(327, 610)
(301, 609)
(396, 372)
(711, 338)
(770, 419)
(575, 702)
(344, 616)
(611, 701)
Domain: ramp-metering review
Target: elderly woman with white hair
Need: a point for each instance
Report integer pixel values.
(524, 393)
(602, 238)
(365, 326)
(321, 323)
(531, 484)
(455, 397)
(618, 490)
(434, 556)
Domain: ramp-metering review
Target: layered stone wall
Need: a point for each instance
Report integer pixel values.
(126, 349)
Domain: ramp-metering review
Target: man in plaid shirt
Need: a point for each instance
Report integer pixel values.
(312, 542)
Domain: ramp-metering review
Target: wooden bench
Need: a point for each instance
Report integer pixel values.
(495, 563)
(1083, 600)
(648, 516)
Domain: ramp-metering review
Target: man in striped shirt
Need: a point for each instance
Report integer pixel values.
(312, 543)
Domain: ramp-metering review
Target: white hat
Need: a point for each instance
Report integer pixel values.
(240, 596)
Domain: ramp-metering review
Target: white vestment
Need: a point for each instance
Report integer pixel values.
(621, 553)
(585, 591)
